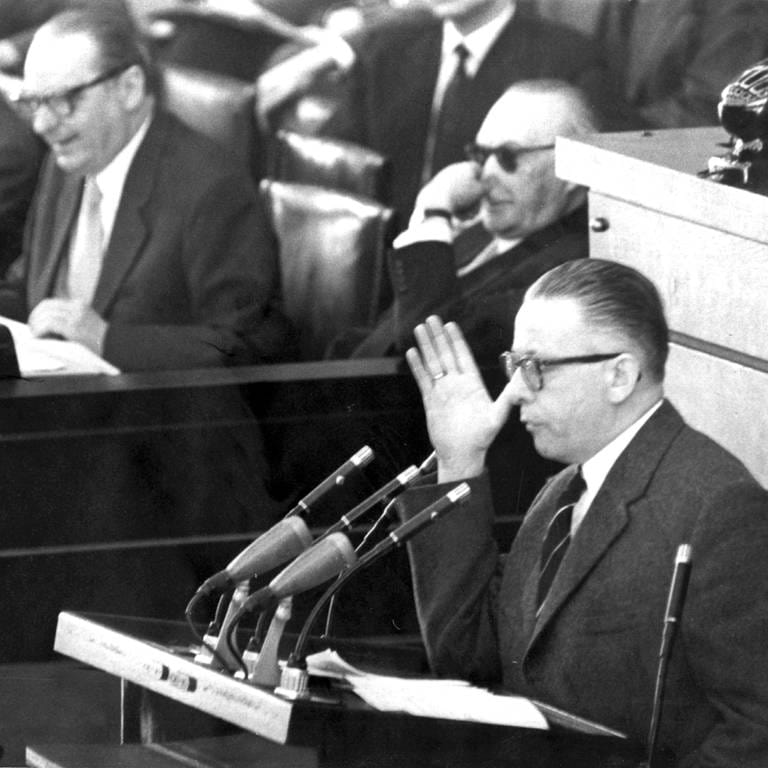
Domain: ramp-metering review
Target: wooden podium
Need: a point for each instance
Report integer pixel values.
(705, 245)
(177, 712)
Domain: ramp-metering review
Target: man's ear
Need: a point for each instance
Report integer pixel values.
(622, 374)
(133, 87)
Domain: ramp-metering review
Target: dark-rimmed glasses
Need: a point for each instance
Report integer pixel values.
(505, 154)
(532, 368)
(61, 103)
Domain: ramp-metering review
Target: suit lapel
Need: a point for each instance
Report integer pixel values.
(66, 205)
(510, 268)
(608, 515)
(130, 228)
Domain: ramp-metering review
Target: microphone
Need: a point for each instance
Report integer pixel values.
(401, 534)
(363, 457)
(672, 615)
(325, 559)
(283, 541)
(391, 489)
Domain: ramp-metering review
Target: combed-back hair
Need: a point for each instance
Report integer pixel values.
(615, 297)
(112, 26)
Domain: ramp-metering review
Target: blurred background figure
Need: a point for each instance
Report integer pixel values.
(21, 153)
(670, 58)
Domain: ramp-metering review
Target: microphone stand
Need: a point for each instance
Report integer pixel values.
(294, 681)
(672, 615)
(428, 465)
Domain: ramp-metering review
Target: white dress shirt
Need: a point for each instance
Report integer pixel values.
(596, 469)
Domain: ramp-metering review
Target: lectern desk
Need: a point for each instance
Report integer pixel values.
(169, 699)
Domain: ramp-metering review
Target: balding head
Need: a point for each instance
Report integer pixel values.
(523, 194)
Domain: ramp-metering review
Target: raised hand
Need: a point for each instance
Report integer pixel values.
(462, 418)
(456, 188)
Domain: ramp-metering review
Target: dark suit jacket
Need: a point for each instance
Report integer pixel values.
(189, 277)
(671, 58)
(483, 302)
(394, 83)
(21, 154)
(593, 649)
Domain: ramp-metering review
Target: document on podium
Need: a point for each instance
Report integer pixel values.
(447, 699)
(53, 357)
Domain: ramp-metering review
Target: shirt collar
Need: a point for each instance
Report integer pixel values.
(110, 180)
(477, 42)
(596, 469)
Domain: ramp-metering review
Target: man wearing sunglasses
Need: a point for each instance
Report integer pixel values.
(573, 614)
(146, 243)
(527, 220)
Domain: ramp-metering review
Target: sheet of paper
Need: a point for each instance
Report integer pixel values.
(448, 699)
(52, 357)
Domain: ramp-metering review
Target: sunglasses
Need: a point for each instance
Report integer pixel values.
(506, 154)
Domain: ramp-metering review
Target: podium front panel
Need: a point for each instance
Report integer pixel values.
(705, 246)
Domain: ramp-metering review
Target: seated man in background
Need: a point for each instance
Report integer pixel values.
(670, 58)
(146, 243)
(417, 91)
(573, 615)
(533, 220)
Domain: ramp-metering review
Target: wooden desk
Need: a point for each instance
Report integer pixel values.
(705, 246)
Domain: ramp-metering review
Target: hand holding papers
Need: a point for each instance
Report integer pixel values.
(53, 357)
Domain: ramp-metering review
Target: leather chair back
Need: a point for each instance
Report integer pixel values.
(227, 41)
(218, 106)
(331, 247)
(331, 163)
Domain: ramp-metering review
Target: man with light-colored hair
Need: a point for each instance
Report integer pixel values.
(526, 220)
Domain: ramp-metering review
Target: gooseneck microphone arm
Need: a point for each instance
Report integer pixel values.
(360, 459)
(385, 493)
(395, 538)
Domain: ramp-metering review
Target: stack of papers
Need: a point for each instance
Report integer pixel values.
(447, 699)
(52, 357)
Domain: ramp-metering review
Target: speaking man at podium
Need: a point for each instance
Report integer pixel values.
(573, 614)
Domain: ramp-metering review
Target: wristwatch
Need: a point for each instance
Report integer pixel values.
(442, 213)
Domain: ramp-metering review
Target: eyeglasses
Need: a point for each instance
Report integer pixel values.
(532, 368)
(61, 103)
(505, 154)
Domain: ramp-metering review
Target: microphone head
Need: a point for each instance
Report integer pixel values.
(327, 558)
(282, 542)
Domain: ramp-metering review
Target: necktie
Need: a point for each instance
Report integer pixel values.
(558, 535)
(449, 141)
(87, 246)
